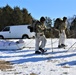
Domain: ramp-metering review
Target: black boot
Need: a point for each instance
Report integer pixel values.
(63, 45)
(37, 52)
(59, 46)
(42, 50)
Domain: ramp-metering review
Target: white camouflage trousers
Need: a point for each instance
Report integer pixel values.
(62, 37)
(40, 42)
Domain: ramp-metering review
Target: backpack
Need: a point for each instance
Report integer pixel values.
(57, 23)
(34, 26)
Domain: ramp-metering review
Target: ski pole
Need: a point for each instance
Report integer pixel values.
(71, 46)
(51, 44)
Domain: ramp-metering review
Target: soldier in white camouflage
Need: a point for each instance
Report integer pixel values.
(62, 35)
(40, 37)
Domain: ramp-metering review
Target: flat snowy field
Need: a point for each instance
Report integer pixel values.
(54, 62)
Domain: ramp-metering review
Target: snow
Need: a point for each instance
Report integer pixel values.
(54, 62)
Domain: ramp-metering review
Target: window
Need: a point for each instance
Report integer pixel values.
(6, 29)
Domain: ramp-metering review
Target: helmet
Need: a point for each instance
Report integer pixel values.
(42, 19)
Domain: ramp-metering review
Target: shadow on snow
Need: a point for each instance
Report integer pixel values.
(29, 56)
(69, 63)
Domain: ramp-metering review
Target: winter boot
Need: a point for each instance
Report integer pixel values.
(42, 50)
(63, 45)
(37, 52)
(59, 46)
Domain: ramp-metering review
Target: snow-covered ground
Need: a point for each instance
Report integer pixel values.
(54, 62)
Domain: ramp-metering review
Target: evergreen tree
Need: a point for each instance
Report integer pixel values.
(17, 16)
(9, 16)
(5, 16)
(27, 18)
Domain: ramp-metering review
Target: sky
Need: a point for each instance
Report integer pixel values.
(49, 8)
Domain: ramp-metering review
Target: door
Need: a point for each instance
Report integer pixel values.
(6, 32)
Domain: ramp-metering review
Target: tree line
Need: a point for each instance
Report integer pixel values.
(16, 16)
